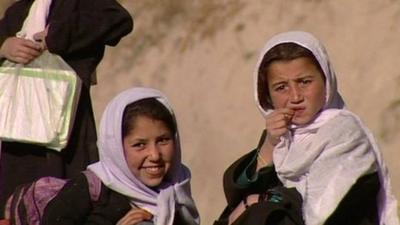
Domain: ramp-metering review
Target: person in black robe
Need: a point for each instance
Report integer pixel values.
(78, 31)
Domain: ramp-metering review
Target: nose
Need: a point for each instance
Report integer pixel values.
(296, 95)
(154, 153)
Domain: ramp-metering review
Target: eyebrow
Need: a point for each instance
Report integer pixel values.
(166, 134)
(278, 83)
(138, 140)
(304, 77)
(282, 80)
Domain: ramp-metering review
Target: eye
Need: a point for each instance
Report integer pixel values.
(280, 87)
(164, 140)
(139, 145)
(305, 82)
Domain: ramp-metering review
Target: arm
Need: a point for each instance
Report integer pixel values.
(236, 193)
(13, 48)
(7, 22)
(81, 25)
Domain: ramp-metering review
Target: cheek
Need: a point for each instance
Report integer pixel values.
(134, 160)
(320, 97)
(169, 153)
(279, 101)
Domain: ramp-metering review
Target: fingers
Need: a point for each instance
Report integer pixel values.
(277, 124)
(280, 118)
(135, 216)
(20, 50)
(40, 37)
(27, 49)
(287, 114)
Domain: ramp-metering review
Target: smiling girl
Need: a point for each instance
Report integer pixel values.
(143, 179)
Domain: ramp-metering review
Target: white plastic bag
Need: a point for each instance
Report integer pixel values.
(38, 101)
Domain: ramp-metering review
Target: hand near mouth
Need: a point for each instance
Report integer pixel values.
(277, 124)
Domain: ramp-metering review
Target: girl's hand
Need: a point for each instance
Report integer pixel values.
(40, 37)
(20, 50)
(277, 124)
(135, 216)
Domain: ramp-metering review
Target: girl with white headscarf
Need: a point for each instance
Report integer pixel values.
(313, 145)
(140, 169)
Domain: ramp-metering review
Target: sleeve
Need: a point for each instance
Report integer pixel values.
(4, 26)
(81, 25)
(4, 34)
(72, 205)
(347, 156)
(13, 19)
(235, 192)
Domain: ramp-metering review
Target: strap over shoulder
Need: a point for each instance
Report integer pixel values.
(94, 184)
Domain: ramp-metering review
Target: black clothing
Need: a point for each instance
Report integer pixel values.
(285, 212)
(78, 32)
(73, 206)
(358, 207)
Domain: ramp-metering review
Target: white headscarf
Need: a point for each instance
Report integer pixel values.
(114, 172)
(325, 158)
(308, 41)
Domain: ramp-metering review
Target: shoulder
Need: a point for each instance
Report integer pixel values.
(74, 203)
(344, 124)
(77, 188)
(82, 188)
(344, 135)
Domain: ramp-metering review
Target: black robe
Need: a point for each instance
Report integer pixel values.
(79, 30)
(73, 206)
(358, 207)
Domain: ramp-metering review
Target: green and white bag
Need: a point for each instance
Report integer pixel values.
(38, 101)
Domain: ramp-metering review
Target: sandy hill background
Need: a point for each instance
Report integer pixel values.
(202, 54)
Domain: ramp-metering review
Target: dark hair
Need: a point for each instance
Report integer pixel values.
(281, 52)
(149, 107)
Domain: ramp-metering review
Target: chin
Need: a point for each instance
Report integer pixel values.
(152, 184)
(301, 121)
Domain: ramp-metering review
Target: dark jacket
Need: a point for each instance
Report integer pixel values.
(73, 206)
(79, 30)
(358, 207)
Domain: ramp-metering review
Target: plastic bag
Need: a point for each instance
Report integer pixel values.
(38, 101)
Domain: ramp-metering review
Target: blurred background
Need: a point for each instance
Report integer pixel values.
(202, 55)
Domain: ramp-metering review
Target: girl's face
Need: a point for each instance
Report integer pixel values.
(149, 150)
(298, 85)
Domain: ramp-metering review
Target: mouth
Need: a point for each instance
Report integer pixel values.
(154, 171)
(298, 111)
